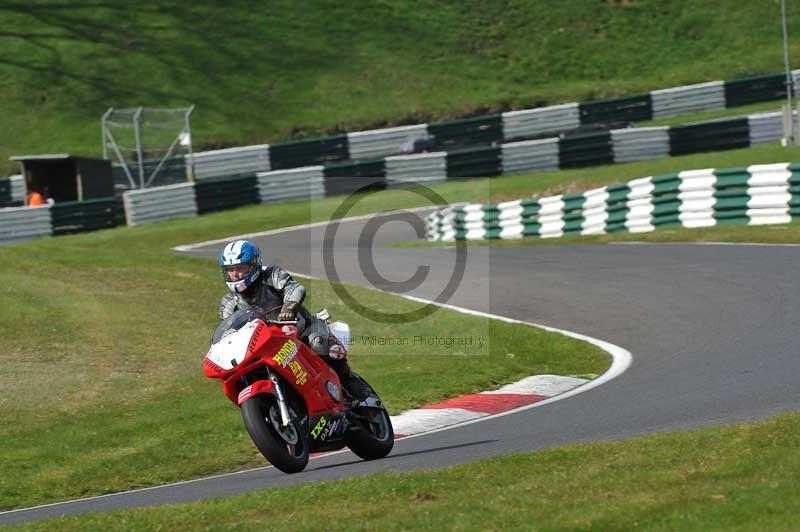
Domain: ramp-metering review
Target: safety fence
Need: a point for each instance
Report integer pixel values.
(25, 223)
(754, 195)
(491, 130)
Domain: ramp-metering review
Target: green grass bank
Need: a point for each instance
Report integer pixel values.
(113, 326)
(269, 72)
(738, 477)
(104, 335)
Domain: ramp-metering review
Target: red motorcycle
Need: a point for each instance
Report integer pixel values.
(292, 402)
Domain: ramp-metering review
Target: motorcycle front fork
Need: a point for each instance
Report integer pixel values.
(282, 406)
(284, 409)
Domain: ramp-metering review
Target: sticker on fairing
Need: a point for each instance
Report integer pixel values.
(232, 349)
(299, 372)
(286, 353)
(318, 427)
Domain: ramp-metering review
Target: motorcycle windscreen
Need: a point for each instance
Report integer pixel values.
(232, 347)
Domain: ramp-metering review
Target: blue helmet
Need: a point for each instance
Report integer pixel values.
(231, 259)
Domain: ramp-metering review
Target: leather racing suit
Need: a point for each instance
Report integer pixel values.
(274, 289)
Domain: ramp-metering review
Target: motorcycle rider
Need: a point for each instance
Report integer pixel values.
(270, 287)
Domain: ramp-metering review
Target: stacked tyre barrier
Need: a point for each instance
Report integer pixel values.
(297, 183)
(231, 161)
(422, 168)
(82, 216)
(12, 191)
(490, 130)
(754, 195)
(568, 151)
(160, 203)
(213, 194)
(313, 182)
(18, 224)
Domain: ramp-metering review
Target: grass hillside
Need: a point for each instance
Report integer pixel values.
(266, 72)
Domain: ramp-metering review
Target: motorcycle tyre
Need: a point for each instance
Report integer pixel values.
(364, 443)
(255, 412)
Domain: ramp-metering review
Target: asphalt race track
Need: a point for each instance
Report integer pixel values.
(712, 330)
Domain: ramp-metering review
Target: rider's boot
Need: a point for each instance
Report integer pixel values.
(354, 386)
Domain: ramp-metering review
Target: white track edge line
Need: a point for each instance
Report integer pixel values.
(190, 247)
(621, 358)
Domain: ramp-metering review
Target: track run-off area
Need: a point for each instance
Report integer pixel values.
(710, 328)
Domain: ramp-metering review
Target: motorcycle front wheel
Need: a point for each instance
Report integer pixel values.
(284, 447)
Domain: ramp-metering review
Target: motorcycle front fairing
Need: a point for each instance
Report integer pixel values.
(244, 343)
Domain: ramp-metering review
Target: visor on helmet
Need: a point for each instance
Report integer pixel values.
(236, 272)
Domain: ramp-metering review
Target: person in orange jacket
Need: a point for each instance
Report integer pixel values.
(35, 199)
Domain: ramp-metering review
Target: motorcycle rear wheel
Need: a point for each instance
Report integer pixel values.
(374, 438)
(284, 447)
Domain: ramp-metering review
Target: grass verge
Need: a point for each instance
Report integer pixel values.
(113, 326)
(104, 335)
(737, 477)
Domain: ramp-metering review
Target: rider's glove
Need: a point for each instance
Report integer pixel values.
(288, 311)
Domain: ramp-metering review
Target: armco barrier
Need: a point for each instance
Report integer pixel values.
(382, 142)
(640, 144)
(421, 168)
(82, 216)
(161, 203)
(293, 184)
(530, 156)
(231, 161)
(690, 99)
(759, 194)
(24, 223)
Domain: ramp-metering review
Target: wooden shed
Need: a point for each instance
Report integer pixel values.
(65, 177)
